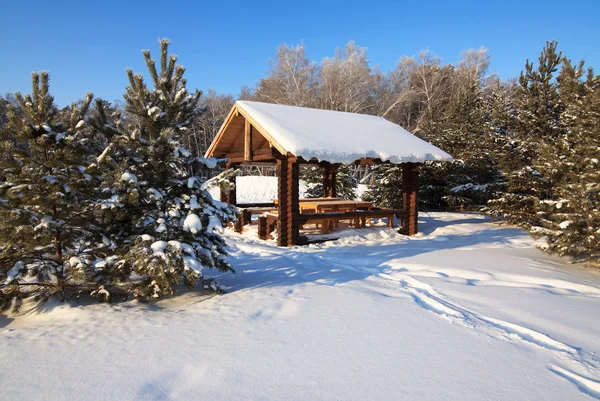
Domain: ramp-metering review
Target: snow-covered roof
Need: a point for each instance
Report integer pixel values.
(335, 136)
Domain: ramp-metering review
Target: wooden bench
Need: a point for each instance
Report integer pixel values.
(247, 213)
(267, 223)
(330, 219)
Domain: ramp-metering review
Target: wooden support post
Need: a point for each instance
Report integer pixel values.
(288, 229)
(247, 141)
(231, 196)
(244, 218)
(238, 226)
(410, 198)
(329, 179)
(262, 227)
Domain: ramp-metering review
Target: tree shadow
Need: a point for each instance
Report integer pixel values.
(428, 224)
(5, 321)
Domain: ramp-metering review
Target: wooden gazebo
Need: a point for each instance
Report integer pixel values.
(288, 136)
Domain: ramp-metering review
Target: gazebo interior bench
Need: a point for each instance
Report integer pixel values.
(267, 222)
(246, 214)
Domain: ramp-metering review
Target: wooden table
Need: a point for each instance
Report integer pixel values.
(329, 205)
(276, 201)
(334, 205)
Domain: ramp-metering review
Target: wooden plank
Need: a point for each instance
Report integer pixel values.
(247, 141)
(330, 219)
(263, 151)
(254, 205)
(276, 201)
(232, 113)
(262, 156)
(233, 155)
(264, 132)
(359, 213)
(315, 204)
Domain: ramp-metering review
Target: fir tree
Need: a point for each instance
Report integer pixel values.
(49, 239)
(163, 223)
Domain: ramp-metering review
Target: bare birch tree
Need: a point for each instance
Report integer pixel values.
(347, 82)
(291, 79)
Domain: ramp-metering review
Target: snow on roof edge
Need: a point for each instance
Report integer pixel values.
(339, 137)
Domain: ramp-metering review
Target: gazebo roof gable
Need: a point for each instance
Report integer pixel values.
(333, 136)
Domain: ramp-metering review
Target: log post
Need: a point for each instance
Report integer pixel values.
(231, 196)
(288, 177)
(329, 179)
(262, 227)
(410, 198)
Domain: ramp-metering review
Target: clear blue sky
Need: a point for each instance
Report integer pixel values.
(86, 45)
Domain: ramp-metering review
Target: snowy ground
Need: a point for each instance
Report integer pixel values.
(466, 311)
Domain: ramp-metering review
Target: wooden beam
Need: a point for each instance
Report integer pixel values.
(288, 179)
(329, 179)
(232, 113)
(247, 140)
(260, 129)
(369, 161)
(410, 198)
(265, 155)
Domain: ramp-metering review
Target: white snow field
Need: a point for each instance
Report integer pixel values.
(467, 310)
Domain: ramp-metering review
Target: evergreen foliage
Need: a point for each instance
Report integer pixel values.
(345, 184)
(576, 225)
(108, 204)
(386, 190)
(111, 200)
(163, 224)
(553, 173)
(48, 236)
(462, 130)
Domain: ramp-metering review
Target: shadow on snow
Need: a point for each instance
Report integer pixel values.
(260, 264)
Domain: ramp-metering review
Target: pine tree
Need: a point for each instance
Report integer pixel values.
(345, 182)
(49, 239)
(163, 223)
(537, 130)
